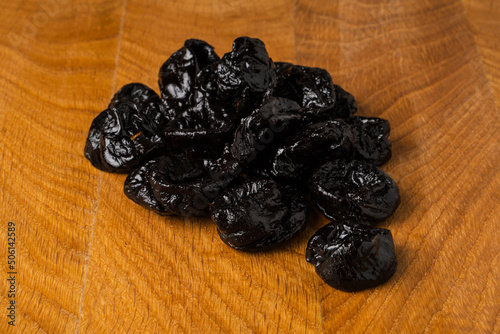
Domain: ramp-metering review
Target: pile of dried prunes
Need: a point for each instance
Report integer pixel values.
(244, 139)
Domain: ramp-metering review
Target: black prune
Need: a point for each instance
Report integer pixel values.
(265, 127)
(177, 75)
(200, 130)
(352, 258)
(205, 125)
(139, 94)
(311, 87)
(345, 104)
(138, 188)
(246, 76)
(172, 170)
(92, 149)
(191, 197)
(258, 213)
(128, 131)
(371, 135)
(354, 191)
(308, 147)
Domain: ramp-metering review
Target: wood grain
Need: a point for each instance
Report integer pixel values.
(483, 19)
(425, 76)
(89, 260)
(57, 68)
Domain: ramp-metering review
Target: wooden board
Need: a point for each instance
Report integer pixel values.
(89, 260)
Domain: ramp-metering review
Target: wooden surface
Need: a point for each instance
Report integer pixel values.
(90, 261)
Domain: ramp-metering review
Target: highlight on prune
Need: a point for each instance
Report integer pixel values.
(172, 169)
(139, 189)
(125, 134)
(243, 139)
(311, 87)
(371, 136)
(352, 258)
(177, 75)
(302, 151)
(276, 119)
(258, 213)
(345, 104)
(245, 76)
(354, 190)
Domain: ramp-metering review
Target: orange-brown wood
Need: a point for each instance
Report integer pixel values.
(90, 260)
(58, 64)
(485, 25)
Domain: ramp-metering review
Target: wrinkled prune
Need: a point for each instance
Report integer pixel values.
(205, 125)
(128, 131)
(301, 152)
(371, 135)
(311, 87)
(351, 258)
(199, 130)
(191, 196)
(246, 76)
(264, 128)
(355, 191)
(138, 188)
(92, 149)
(345, 104)
(177, 75)
(174, 169)
(258, 213)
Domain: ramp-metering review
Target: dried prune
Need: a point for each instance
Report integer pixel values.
(354, 191)
(345, 104)
(177, 185)
(177, 75)
(190, 197)
(371, 135)
(264, 128)
(352, 258)
(205, 125)
(311, 87)
(92, 149)
(173, 168)
(128, 131)
(246, 76)
(138, 188)
(304, 150)
(258, 213)
(206, 133)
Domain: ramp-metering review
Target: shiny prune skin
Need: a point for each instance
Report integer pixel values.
(205, 125)
(139, 94)
(352, 258)
(329, 140)
(258, 213)
(192, 195)
(173, 169)
(127, 137)
(92, 149)
(198, 130)
(311, 87)
(354, 191)
(371, 135)
(264, 128)
(138, 188)
(245, 76)
(345, 104)
(177, 75)
(128, 131)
